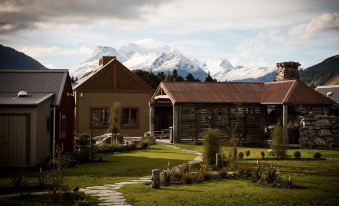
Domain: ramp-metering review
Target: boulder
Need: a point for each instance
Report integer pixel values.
(324, 132)
(319, 142)
(322, 123)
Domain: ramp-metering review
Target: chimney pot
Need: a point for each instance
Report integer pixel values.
(105, 59)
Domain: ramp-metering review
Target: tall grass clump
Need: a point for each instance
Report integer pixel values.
(212, 144)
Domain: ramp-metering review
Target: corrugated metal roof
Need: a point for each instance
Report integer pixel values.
(213, 92)
(276, 92)
(31, 100)
(334, 89)
(280, 92)
(34, 81)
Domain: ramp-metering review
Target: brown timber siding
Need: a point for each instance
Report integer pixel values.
(195, 119)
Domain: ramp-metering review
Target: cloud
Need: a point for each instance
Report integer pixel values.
(40, 52)
(323, 22)
(17, 15)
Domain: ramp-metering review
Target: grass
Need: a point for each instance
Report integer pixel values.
(116, 167)
(42, 200)
(318, 179)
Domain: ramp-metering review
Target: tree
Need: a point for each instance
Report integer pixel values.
(190, 78)
(277, 142)
(114, 121)
(209, 78)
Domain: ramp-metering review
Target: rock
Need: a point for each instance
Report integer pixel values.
(324, 132)
(319, 142)
(322, 123)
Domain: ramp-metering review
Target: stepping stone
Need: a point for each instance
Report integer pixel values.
(97, 188)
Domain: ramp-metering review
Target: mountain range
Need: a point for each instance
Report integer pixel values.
(165, 59)
(13, 59)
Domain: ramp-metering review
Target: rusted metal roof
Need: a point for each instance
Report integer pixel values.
(34, 81)
(280, 92)
(213, 92)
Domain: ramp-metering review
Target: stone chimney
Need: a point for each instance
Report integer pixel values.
(287, 71)
(105, 59)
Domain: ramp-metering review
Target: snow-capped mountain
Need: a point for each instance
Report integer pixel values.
(241, 73)
(133, 56)
(165, 59)
(91, 64)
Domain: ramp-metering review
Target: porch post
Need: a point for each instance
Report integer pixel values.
(151, 120)
(285, 121)
(175, 124)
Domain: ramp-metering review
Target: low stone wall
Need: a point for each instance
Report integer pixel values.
(319, 131)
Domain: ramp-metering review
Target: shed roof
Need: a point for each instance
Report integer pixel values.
(330, 88)
(34, 81)
(33, 99)
(213, 92)
(280, 92)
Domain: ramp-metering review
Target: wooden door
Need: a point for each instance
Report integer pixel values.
(14, 140)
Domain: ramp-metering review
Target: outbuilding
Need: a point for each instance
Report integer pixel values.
(36, 116)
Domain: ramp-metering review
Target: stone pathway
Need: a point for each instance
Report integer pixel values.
(108, 194)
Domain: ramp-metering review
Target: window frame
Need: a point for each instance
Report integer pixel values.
(136, 126)
(63, 126)
(107, 108)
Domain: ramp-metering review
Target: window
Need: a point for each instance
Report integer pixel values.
(63, 126)
(99, 117)
(129, 117)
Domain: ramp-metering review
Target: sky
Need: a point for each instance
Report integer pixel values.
(62, 33)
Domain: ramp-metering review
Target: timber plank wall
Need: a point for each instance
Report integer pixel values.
(195, 119)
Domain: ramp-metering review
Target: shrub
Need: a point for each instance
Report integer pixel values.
(248, 153)
(297, 154)
(19, 181)
(167, 175)
(262, 153)
(223, 173)
(317, 155)
(241, 155)
(211, 145)
(187, 178)
(205, 172)
(277, 143)
(268, 174)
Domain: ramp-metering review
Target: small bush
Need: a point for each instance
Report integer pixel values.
(205, 172)
(223, 173)
(241, 155)
(317, 155)
(297, 154)
(277, 143)
(211, 145)
(268, 174)
(167, 175)
(262, 153)
(248, 153)
(19, 181)
(187, 178)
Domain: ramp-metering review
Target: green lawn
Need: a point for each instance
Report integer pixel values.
(319, 180)
(125, 166)
(117, 167)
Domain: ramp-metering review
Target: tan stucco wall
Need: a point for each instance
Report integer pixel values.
(88, 100)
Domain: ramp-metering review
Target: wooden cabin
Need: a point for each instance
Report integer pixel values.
(97, 94)
(36, 115)
(193, 107)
